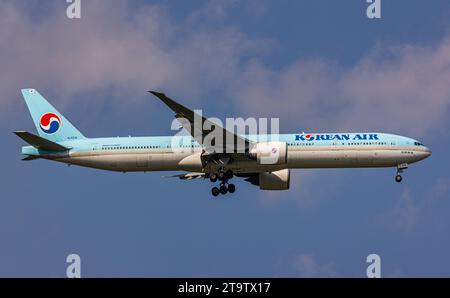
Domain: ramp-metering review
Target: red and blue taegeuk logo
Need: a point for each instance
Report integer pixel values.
(309, 137)
(50, 123)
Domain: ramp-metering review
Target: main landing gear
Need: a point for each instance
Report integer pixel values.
(224, 187)
(400, 169)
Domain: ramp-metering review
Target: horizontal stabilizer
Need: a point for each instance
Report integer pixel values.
(187, 176)
(39, 142)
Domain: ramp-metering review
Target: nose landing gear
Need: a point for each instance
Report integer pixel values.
(400, 169)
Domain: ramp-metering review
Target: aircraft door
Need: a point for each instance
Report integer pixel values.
(96, 149)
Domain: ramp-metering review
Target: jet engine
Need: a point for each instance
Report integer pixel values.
(192, 162)
(270, 153)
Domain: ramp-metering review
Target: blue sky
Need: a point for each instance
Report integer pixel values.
(318, 65)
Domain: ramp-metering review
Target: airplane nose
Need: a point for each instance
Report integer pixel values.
(422, 153)
(426, 153)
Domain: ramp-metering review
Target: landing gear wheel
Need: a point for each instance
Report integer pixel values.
(221, 175)
(231, 188)
(215, 191)
(398, 178)
(213, 178)
(229, 174)
(223, 189)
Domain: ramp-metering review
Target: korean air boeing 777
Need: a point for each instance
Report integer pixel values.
(258, 159)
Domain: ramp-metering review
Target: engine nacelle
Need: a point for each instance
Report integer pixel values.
(192, 162)
(270, 153)
(278, 180)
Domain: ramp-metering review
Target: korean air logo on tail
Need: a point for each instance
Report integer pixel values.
(50, 123)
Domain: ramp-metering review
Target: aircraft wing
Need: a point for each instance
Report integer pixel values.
(199, 127)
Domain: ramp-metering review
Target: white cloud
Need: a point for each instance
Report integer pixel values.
(441, 188)
(115, 48)
(412, 210)
(120, 49)
(305, 265)
(404, 215)
(214, 10)
(403, 89)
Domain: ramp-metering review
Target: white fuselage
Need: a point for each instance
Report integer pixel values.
(120, 155)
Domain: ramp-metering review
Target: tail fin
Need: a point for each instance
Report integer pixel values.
(49, 123)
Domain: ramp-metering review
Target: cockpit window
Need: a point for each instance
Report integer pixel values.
(418, 144)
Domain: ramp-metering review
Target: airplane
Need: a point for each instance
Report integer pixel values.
(58, 140)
